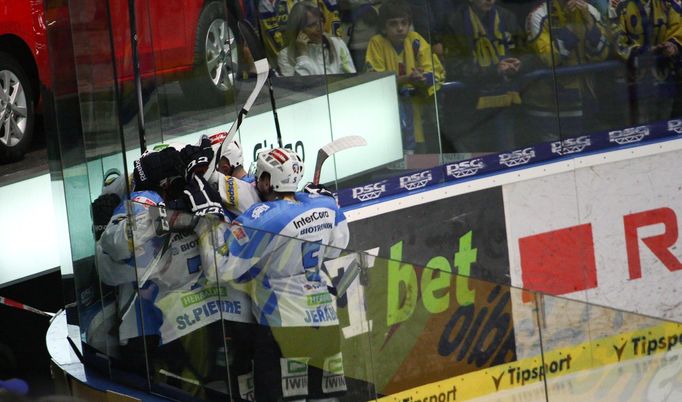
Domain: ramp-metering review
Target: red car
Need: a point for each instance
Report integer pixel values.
(176, 38)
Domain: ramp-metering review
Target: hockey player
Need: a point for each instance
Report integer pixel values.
(279, 249)
(164, 295)
(231, 161)
(236, 188)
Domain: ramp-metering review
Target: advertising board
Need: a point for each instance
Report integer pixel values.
(607, 234)
(430, 323)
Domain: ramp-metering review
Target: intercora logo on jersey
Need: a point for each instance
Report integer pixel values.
(259, 210)
(571, 145)
(370, 191)
(310, 218)
(517, 157)
(628, 135)
(675, 126)
(415, 181)
(464, 168)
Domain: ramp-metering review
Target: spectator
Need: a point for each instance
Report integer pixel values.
(273, 16)
(364, 16)
(418, 71)
(483, 48)
(310, 50)
(563, 33)
(649, 37)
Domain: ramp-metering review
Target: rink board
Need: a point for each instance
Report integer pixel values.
(591, 228)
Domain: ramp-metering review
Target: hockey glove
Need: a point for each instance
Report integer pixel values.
(197, 158)
(202, 198)
(318, 189)
(153, 169)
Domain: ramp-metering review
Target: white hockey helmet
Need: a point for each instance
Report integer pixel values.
(233, 153)
(284, 166)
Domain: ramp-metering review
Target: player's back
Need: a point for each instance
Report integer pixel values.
(287, 241)
(283, 224)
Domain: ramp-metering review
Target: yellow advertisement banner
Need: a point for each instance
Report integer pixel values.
(654, 345)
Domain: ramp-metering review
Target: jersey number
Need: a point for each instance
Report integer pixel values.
(311, 258)
(194, 264)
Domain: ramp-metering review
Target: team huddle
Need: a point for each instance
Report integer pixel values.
(206, 257)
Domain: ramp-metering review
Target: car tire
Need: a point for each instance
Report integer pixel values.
(215, 57)
(17, 109)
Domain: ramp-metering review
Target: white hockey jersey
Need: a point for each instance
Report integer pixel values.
(174, 296)
(278, 248)
(237, 194)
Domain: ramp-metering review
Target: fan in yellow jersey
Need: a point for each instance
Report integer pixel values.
(273, 16)
(483, 47)
(649, 38)
(418, 70)
(578, 36)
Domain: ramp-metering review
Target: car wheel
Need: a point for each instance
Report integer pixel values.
(215, 57)
(17, 111)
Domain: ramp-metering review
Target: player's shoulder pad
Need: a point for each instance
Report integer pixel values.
(534, 21)
(318, 200)
(259, 211)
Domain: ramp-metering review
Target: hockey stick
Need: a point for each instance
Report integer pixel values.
(262, 72)
(333, 147)
(349, 276)
(22, 306)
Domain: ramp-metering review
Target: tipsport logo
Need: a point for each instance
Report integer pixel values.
(415, 181)
(370, 191)
(675, 126)
(643, 346)
(464, 168)
(571, 145)
(522, 375)
(517, 158)
(628, 135)
(435, 395)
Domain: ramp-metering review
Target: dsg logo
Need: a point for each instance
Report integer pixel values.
(675, 126)
(370, 191)
(628, 135)
(464, 168)
(571, 145)
(517, 157)
(415, 181)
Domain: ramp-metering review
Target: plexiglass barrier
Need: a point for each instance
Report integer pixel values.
(201, 309)
(425, 82)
